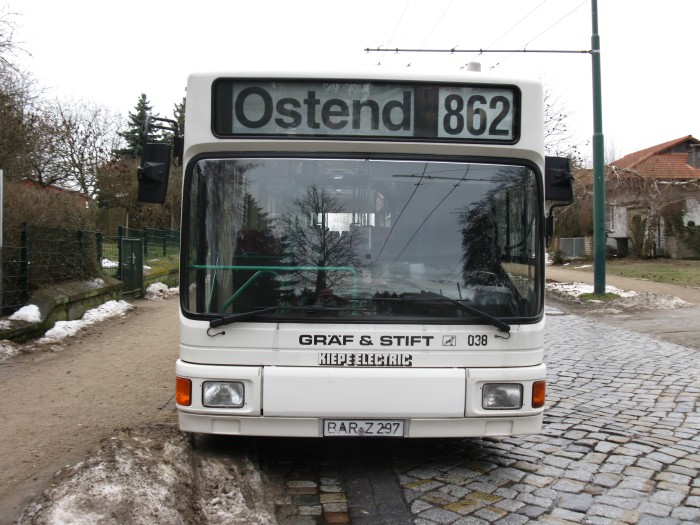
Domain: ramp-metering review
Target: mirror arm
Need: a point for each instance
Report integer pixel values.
(167, 124)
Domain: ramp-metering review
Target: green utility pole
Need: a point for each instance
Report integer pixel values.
(598, 163)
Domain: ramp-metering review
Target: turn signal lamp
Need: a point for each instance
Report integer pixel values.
(538, 393)
(183, 391)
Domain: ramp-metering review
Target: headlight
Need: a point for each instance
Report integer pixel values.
(223, 394)
(502, 396)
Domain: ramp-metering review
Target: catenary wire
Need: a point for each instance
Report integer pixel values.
(401, 213)
(431, 32)
(454, 187)
(393, 34)
(508, 31)
(542, 33)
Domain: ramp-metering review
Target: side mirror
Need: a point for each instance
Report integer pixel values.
(558, 181)
(153, 173)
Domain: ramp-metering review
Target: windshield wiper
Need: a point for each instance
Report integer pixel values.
(432, 297)
(244, 316)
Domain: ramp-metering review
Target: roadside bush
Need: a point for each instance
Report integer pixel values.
(558, 257)
(24, 202)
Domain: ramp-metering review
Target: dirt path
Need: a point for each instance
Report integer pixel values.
(687, 293)
(678, 326)
(58, 404)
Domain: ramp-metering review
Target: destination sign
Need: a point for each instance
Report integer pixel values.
(293, 109)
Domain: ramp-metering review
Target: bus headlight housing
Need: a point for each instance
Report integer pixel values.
(223, 394)
(502, 396)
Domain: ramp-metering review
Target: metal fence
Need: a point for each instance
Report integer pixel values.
(48, 256)
(573, 247)
(156, 244)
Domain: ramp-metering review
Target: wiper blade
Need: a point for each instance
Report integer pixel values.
(432, 297)
(244, 316)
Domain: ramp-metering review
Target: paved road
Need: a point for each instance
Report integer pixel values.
(621, 442)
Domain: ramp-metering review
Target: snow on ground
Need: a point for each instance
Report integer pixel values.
(576, 289)
(159, 291)
(106, 263)
(152, 475)
(628, 300)
(63, 329)
(29, 313)
(8, 349)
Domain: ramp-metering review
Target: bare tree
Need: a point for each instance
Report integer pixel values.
(558, 140)
(81, 138)
(8, 45)
(310, 242)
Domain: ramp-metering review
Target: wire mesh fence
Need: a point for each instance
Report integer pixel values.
(156, 244)
(48, 256)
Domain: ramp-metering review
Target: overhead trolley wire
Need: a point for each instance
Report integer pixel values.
(431, 32)
(425, 167)
(508, 31)
(396, 27)
(523, 48)
(454, 187)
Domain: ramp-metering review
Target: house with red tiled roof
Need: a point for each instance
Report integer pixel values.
(653, 198)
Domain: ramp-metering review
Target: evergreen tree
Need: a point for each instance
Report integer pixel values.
(137, 124)
(179, 115)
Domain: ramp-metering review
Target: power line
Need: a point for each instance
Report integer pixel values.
(425, 167)
(480, 51)
(542, 33)
(431, 31)
(396, 27)
(454, 187)
(511, 27)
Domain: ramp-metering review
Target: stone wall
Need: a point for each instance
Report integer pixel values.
(64, 302)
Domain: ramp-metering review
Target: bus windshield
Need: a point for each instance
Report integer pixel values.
(360, 240)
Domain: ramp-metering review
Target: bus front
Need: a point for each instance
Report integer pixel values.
(362, 257)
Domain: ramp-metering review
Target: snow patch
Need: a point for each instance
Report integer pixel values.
(628, 300)
(29, 313)
(8, 349)
(160, 291)
(149, 475)
(63, 329)
(577, 289)
(106, 263)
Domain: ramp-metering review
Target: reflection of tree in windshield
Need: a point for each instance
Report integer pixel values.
(488, 231)
(481, 263)
(314, 238)
(255, 249)
(498, 243)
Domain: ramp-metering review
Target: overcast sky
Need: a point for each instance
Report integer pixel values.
(110, 52)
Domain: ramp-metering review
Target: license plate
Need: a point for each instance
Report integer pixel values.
(362, 427)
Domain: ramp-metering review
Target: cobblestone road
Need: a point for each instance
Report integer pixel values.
(620, 444)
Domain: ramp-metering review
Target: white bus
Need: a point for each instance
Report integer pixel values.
(360, 255)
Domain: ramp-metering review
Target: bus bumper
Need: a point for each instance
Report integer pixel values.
(313, 427)
(314, 401)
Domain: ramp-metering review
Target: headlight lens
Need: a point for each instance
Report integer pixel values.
(502, 396)
(223, 394)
